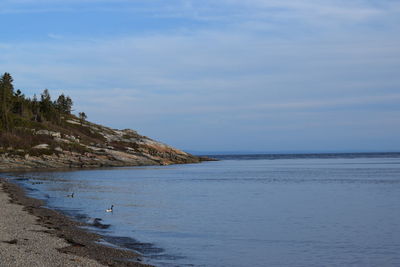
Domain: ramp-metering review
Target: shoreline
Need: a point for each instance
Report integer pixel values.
(79, 242)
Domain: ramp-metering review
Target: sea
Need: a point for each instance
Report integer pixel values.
(243, 210)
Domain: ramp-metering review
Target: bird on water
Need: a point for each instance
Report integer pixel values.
(110, 209)
(72, 195)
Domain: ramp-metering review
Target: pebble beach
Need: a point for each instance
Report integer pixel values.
(31, 235)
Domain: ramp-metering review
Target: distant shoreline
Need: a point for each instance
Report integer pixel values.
(80, 242)
(306, 155)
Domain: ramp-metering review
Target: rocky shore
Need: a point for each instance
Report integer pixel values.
(31, 235)
(88, 145)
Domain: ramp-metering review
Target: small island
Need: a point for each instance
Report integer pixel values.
(43, 133)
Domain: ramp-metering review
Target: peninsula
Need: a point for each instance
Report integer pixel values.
(42, 133)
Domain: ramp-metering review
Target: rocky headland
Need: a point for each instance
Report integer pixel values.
(43, 133)
(81, 144)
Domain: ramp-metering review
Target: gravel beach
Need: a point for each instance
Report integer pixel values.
(31, 235)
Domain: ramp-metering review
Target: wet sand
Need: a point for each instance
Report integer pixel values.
(31, 235)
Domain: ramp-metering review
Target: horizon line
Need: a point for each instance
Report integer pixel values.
(299, 152)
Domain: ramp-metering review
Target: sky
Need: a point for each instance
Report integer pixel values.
(217, 75)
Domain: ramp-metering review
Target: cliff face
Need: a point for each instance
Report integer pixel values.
(81, 144)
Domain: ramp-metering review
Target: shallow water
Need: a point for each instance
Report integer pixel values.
(241, 211)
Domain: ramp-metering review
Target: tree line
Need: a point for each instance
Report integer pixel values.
(15, 106)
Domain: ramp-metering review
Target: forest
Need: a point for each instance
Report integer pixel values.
(21, 117)
(17, 110)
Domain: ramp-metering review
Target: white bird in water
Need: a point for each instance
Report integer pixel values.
(110, 209)
(72, 195)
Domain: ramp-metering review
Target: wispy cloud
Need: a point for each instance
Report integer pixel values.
(55, 36)
(174, 69)
(220, 66)
(228, 9)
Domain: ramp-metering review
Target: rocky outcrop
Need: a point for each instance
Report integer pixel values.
(88, 145)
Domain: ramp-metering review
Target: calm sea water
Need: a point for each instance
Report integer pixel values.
(242, 211)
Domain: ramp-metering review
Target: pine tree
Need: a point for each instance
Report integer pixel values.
(35, 107)
(47, 108)
(18, 103)
(6, 94)
(82, 117)
(64, 104)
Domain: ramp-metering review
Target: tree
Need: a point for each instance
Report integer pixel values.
(6, 94)
(18, 103)
(45, 101)
(47, 107)
(68, 105)
(82, 117)
(64, 104)
(17, 109)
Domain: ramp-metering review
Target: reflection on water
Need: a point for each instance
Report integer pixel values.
(242, 211)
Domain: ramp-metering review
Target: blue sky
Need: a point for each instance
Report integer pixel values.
(221, 75)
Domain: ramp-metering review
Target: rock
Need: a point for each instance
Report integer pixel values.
(95, 146)
(60, 140)
(46, 132)
(41, 146)
(130, 131)
(73, 122)
(72, 138)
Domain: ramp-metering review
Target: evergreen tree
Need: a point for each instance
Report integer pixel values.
(18, 103)
(82, 117)
(64, 104)
(47, 108)
(35, 107)
(16, 109)
(6, 94)
(45, 101)
(68, 105)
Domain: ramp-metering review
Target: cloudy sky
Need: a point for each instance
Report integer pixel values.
(218, 75)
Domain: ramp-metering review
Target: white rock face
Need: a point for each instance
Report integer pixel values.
(73, 122)
(41, 146)
(46, 132)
